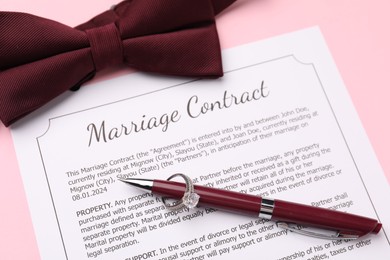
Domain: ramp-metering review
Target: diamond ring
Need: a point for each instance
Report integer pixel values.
(189, 200)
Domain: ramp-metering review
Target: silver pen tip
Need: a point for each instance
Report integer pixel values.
(122, 179)
(144, 184)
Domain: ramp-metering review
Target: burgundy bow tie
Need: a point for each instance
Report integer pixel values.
(40, 58)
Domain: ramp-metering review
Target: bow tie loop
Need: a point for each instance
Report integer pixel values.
(106, 46)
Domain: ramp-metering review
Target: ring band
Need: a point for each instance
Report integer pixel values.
(189, 200)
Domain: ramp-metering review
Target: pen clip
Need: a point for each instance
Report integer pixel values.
(334, 236)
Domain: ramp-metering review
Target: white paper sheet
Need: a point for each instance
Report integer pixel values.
(278, 124)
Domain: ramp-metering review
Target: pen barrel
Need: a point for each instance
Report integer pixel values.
(345, 223)
(212, 198)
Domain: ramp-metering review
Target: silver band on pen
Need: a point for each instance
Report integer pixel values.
(266, 208)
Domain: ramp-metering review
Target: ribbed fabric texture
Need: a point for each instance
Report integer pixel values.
(41, 58)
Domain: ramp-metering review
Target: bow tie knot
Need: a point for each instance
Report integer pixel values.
(106, 46)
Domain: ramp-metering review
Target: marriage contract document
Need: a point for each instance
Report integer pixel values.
(279, 124)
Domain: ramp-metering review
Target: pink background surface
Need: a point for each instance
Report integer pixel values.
(356, 32)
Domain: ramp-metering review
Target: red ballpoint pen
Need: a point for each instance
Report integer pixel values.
(286, 214)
